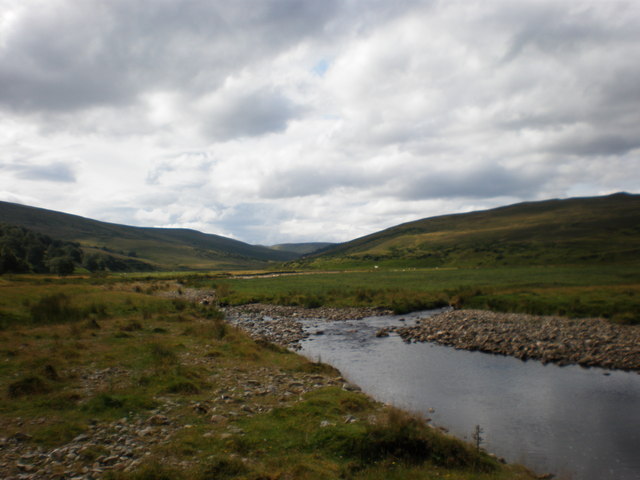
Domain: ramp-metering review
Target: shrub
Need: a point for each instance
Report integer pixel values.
(413, 304)
(179, 304)
(99, 310)
(405, 438)
(50, 372)
(400, 436)
(118, 403)
(148, 471)
(184, 387)
(626, 318)
(27, 386)
(103, 402)
(211, 313)
(215, 330)
(131, 326)
(223, 468)
(55, 308)
(312, 301)
(162, 354)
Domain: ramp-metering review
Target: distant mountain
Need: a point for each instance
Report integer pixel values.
(160, 248)
(572, 231)
(301, 248)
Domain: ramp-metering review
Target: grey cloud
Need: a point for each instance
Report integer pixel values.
(250, 114)
(64, 56)
(304, 181)
(597, 144)
(411, 81)
(58, 58)
(559, 28)
(590, 105)
(251, 222)
(52, 172)
(489, 181)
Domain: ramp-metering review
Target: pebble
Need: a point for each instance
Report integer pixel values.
(587, 342)
(280, 324)
(123, 444)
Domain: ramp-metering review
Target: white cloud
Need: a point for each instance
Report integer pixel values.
(286, 120)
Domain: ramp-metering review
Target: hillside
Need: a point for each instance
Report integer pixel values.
(166, 249)
(302, 248)
(572, 231)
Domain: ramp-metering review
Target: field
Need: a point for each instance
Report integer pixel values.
(612, 292)
(127, 378)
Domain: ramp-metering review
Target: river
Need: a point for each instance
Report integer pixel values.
(580, 424)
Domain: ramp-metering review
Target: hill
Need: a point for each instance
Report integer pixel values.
(302, 248)
(571, 231)
(160, 248)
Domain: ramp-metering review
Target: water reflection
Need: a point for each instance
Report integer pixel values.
(571, 421)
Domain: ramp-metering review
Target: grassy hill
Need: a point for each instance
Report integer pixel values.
(167, 249)
(593, 230)
(302, 248)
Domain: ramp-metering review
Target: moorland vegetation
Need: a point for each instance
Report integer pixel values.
(110, 377)
(104, 374)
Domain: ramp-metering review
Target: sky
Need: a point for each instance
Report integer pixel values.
(273, 121)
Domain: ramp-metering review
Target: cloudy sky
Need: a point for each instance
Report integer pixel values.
(302, 120)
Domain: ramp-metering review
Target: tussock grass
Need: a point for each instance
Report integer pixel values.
(55, 308)
(116, 405)
(131, 326)
(62, 377)
(183, 387)
(402, 437)
(58, 432)
(216, 330)
(609, 291)
(163, 355)
(32, 385)
(150, 471)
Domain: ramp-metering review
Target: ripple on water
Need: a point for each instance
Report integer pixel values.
(567, 420)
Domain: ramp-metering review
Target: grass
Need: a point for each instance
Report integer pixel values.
(28, 386)
(579, 231)
(393, 437)
(577, 291)
(163, 248)
(64, 376)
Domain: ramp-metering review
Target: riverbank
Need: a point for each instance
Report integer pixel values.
(125, 381)
(281, 324)
(563, 341)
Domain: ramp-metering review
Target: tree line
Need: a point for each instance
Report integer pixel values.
(25, 251)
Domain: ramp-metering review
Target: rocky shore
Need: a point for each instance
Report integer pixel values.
(124, 444)
(586, 342)
(280, 324)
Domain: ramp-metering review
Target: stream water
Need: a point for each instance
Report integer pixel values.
(580, 424)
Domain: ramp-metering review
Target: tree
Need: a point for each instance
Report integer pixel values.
(9, 263)
(35, 257)
(62, 266)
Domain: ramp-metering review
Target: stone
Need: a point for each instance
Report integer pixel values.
(350, 387)
(158, 420)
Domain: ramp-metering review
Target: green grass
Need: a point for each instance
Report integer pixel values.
(60, 377)
(578, 231)
(159, 248)
(316, 426)
(603, 291)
